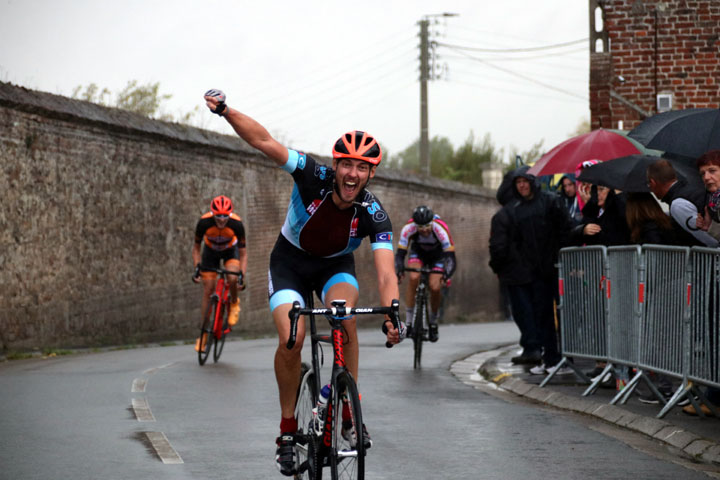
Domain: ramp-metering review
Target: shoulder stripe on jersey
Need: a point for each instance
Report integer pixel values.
(292, 161)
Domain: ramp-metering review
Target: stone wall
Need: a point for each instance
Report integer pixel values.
(98, 215)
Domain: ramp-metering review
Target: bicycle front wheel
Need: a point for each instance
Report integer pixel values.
(306, 439)
(347, 456)
(219, 334)
(206, 331)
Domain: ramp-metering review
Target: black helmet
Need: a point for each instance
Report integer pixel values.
(422, 215)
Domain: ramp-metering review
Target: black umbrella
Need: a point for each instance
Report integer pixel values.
(690, 132)
(629, 174)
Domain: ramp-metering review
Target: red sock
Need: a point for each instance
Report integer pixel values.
(288, 425)
(346, 409)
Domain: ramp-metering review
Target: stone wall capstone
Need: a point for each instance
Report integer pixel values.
(98, 217)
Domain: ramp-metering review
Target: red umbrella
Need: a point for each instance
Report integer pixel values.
(599, 144)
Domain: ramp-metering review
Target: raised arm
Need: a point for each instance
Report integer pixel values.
(247, 128)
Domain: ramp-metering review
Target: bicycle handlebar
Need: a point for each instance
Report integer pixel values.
(424, 269)
(222, 271)
(340, 311)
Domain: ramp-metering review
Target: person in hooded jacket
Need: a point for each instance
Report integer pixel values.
(539, 226)
(567, 188)
(513, 274)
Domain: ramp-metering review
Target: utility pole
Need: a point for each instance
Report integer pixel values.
(424, 139)
(425, 75)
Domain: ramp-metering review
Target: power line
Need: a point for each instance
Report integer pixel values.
(334, 70)
(519, 75)
(514, 92)
(512, 50)
(535, 57)
(346, 90)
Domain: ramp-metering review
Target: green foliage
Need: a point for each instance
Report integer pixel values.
(143, 99)
(463, 165)
(529, 156)
(466, 165)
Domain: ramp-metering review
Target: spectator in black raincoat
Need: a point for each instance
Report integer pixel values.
(538, 226)
(513, 274)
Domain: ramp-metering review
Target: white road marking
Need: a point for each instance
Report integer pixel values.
(142, 410)
(162, 447)
(138, 385)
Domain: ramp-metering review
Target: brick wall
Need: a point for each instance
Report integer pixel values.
(98, 215)
(657, 47)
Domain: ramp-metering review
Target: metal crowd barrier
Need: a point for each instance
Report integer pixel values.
(654, 310)
(582, 306)
(625, 292)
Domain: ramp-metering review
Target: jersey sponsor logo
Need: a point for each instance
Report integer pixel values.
(377, 212)
(384, 237)
(313, 206)
(301, 161)
(353, 227)
(321, 171)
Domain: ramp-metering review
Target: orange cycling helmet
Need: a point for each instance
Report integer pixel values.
(221, 205)
(358, 145)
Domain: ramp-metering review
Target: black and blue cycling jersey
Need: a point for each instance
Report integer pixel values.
(317, 226)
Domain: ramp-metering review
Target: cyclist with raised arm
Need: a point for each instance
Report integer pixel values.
(222, 236)
(427, 237)
(330, 212)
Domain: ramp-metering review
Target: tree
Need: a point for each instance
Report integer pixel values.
(528, 156)
(143, 99)
(466, 165)
(441, 150)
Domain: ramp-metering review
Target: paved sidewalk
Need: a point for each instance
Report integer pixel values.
(696, 436)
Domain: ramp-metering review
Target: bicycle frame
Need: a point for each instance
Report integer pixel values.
(320, 436)
(216, 328)
(222, 293)
(421, 312)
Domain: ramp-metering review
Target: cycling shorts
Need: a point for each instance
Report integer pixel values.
(418, 258)
(295, 274)
(211, 259)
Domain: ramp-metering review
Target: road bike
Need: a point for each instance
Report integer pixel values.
(215, 324)
(330, 435)
(421, 314)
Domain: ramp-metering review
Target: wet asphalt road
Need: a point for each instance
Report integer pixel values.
(72, 417)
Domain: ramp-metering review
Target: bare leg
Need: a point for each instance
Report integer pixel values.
(287, 362)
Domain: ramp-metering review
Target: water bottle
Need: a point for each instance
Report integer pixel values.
(319, 410)
(323, 400)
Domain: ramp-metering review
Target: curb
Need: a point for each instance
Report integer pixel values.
(480, 370)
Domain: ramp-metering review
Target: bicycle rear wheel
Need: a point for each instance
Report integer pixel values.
(419, 322)
(220, 335)
(206, 331)
(306, 440)
(347, 455)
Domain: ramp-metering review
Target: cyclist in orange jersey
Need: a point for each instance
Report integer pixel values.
(222, 235)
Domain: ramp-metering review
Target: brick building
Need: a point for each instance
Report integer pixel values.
(649, 56)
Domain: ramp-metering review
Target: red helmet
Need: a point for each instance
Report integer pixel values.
(358, 145)
(221, 205)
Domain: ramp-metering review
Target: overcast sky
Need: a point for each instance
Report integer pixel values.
(311, 70)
